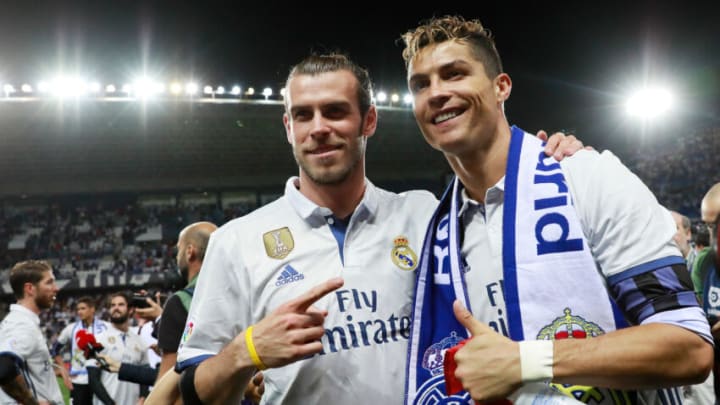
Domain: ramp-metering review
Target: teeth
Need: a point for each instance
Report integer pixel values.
(444, 117)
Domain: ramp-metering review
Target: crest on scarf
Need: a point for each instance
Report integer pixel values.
(434, 355)
(570, 326)
(278, 243)
(402, 255)
(433, 390)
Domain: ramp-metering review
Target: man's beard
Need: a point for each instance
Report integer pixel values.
(44, 302)
(118, 319)
(330, 178)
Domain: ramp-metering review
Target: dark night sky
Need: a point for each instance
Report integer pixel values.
(572, 63)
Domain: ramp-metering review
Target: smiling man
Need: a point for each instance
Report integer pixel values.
(570, 269)
(26, 368)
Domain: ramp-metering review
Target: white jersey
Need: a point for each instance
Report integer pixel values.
(622, 222)
(21, 336)
(124, 347)
(78, 373)
(145, 331)
(258, 262)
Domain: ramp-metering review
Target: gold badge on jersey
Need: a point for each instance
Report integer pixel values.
(402, 255)
(111, 340)
(278, 243)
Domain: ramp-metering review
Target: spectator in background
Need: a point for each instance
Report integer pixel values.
(706, 272)
(701, 246)
(26, 368)
(122, 345)
(85, 308)
(191, 245)
(683, 236)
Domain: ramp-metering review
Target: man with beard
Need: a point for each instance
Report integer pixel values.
(191, 245)
(85, 308)
(577, 290)
(26, 368)
(121, 345)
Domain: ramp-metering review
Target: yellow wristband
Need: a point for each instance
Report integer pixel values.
(251, 349)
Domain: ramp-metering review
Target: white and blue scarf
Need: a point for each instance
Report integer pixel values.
(552, 286)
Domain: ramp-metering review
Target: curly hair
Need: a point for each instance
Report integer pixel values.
(454, 28)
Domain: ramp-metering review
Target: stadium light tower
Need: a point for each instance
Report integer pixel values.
(650, 102)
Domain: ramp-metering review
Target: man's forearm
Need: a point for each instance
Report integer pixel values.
(645, 356)
(19, 391)
(224, 377)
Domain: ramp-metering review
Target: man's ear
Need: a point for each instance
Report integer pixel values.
(370, 122)
(288, 128)
(28, 289)
(190, 252)
(503, 87)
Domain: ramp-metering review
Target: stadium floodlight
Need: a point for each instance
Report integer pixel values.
(236, 90)
(175, 88)
(394, 98)
(650, 102)
(282, 92)
(381, 96)
(220, 90)
(43, 87)
(64, 87)
(208, 90)
(191, 88)
(127, 89)
(26, 88)
(8, 89)
(250, 91)
(110, 89)
(407, 99)
(145, 87)
(94, 87)
(267, 92)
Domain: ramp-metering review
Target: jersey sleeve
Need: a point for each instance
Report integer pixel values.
(631, 237)
(65, 335)
(220, 308)
(15, 340)
(172, 324)
(623, 222)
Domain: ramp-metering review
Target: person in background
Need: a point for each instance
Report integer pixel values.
(81, 393)
(26, 367)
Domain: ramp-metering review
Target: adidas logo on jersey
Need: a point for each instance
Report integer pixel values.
(288, 275)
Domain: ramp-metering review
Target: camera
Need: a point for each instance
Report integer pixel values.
(138, 300)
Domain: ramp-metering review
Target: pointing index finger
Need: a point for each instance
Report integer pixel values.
(304, 301)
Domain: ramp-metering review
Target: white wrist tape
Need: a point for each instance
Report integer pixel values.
(536, 360)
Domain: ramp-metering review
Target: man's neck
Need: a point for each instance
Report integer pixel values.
(87, 322)
(341, 199)
(482, 168)
(193, 271)
(30, 304)
(122, 327)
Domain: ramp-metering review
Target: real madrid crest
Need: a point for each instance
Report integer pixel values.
(278, 243)
(402, 255)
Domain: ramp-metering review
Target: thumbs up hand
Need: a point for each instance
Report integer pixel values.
(488, 365)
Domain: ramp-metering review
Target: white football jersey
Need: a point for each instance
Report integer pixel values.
(258, 262)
